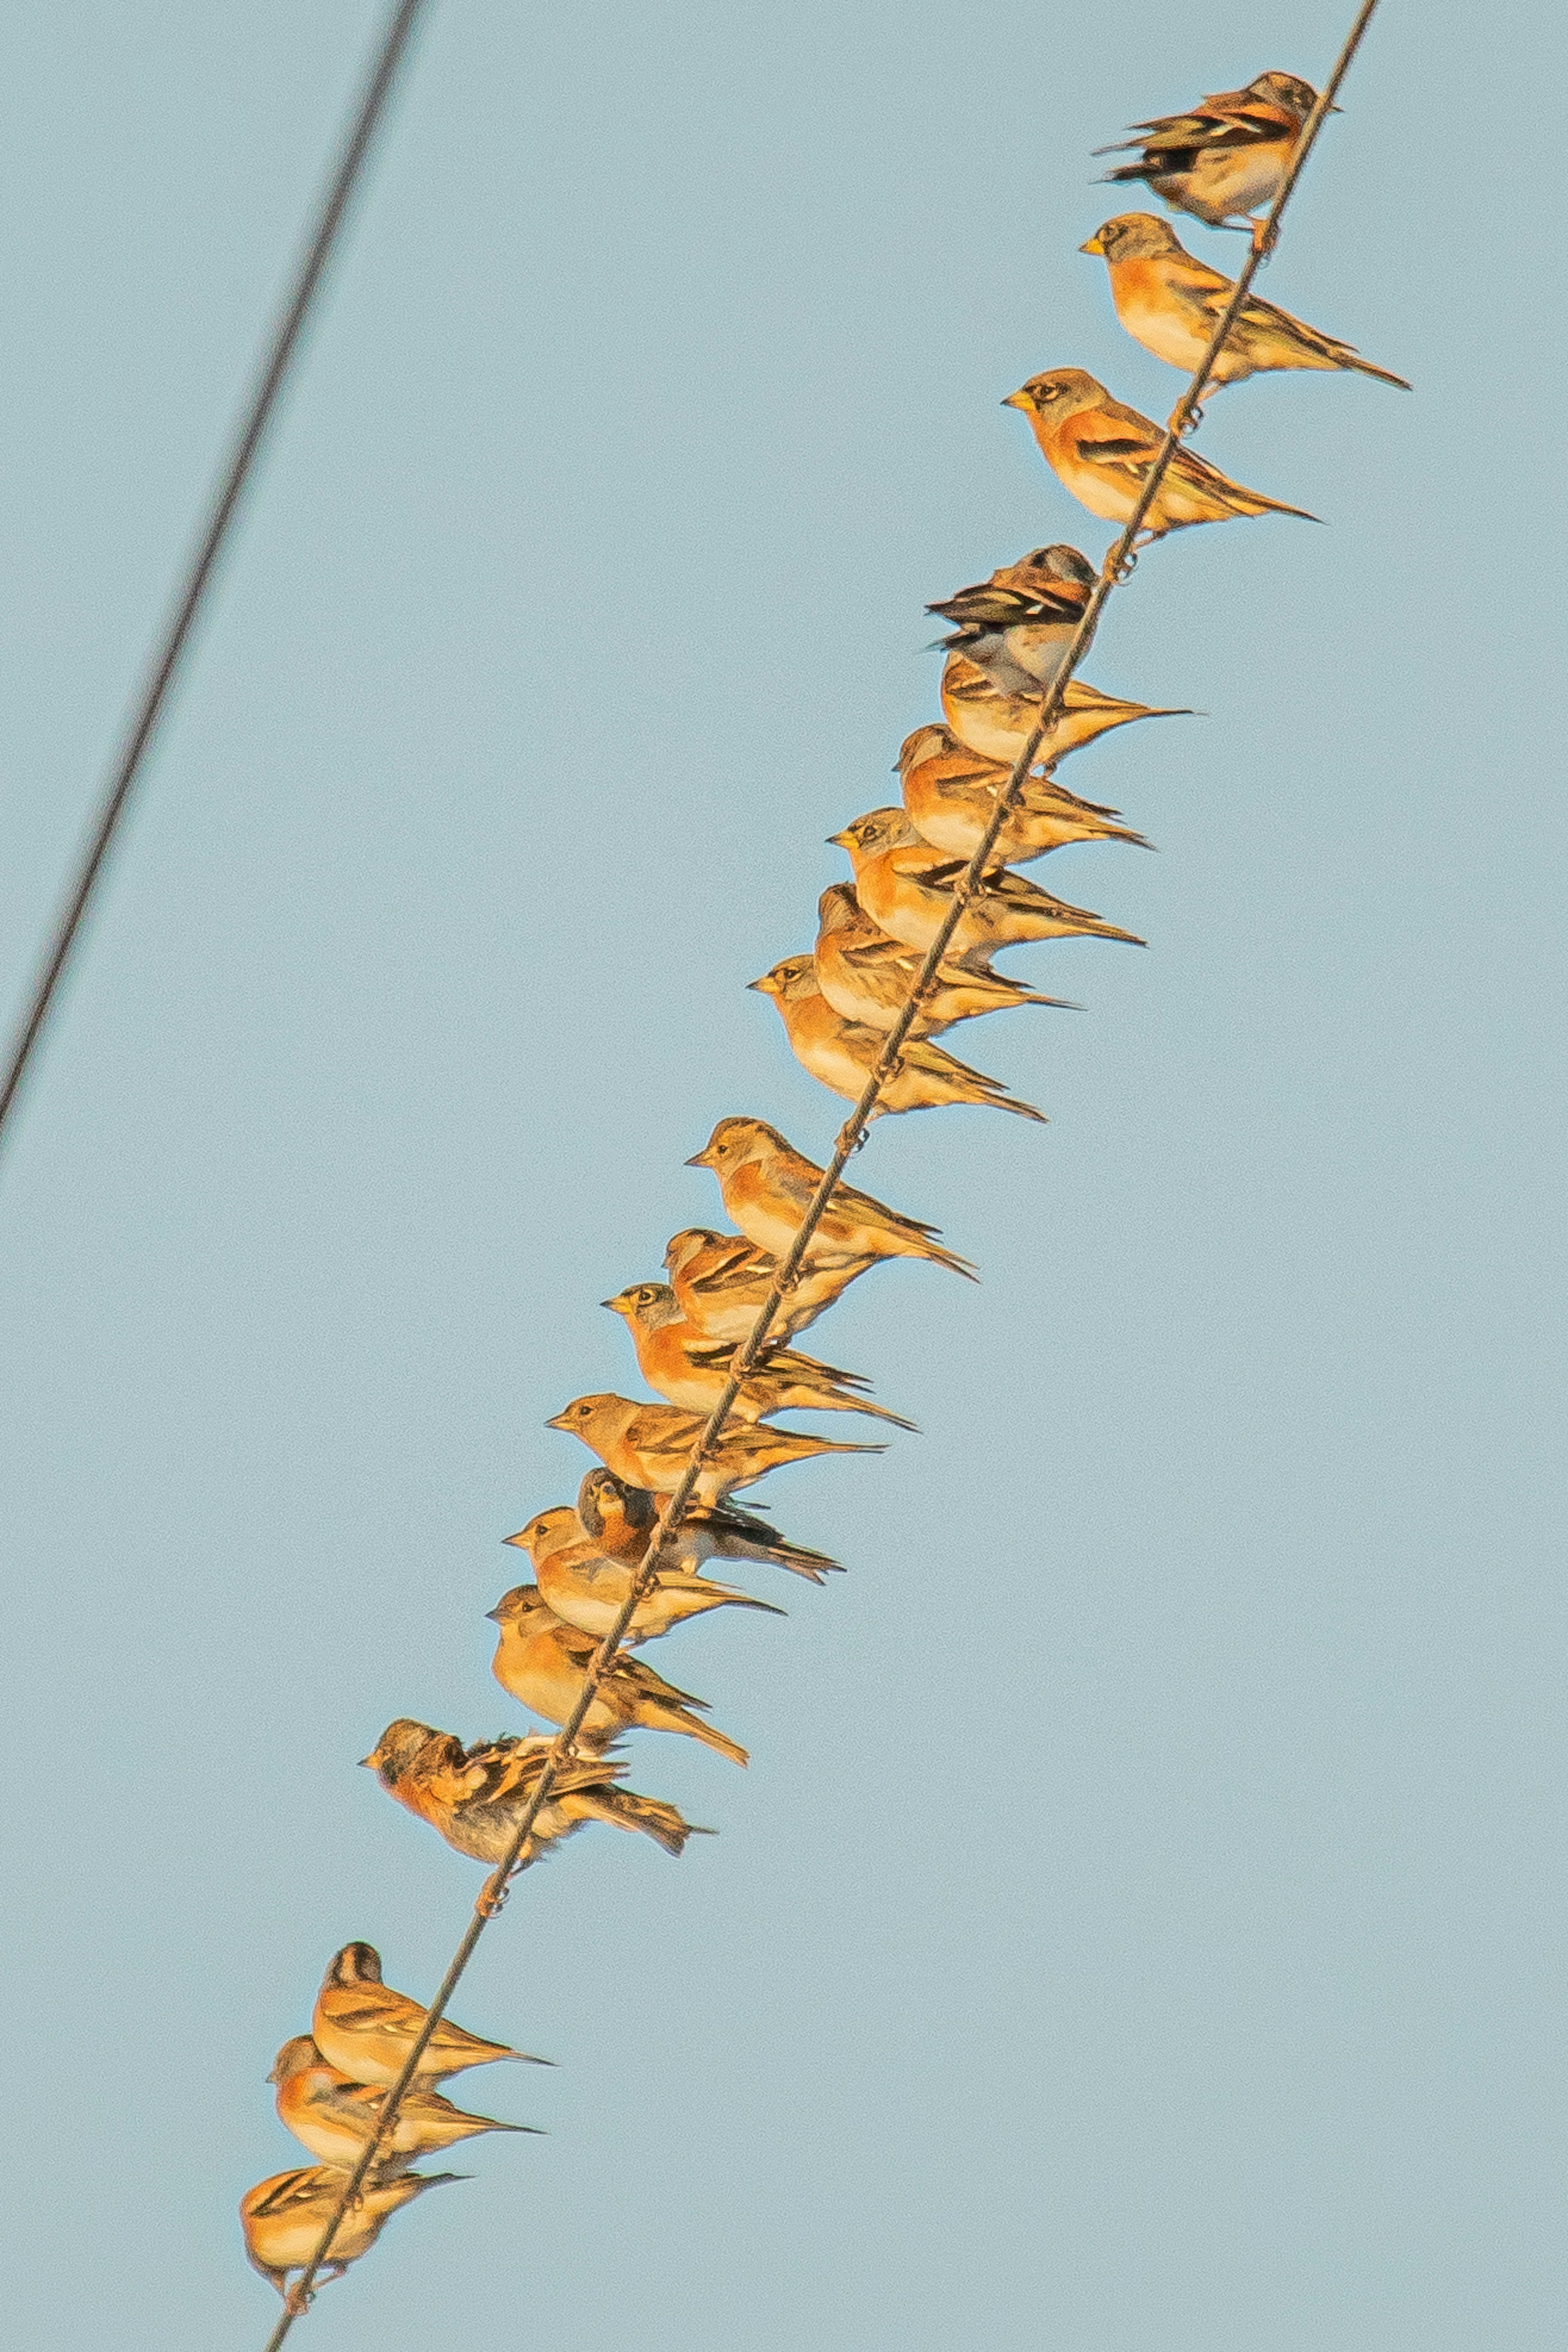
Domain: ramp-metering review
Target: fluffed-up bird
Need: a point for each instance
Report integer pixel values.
(1171, 303)
(650, 1445)
(336, 2118)
(620, 1519)
(588, 1587)
(998, 725)
(951, 796)
(1226, 158)
(768, 1186)
(540, 1662)
(906, 885)
(1018, 625)
(367, 2030)
(283, 2219)
(841, 1055)
(866, 977)
(689, 1370)
(1104, 452)
(475, 1797)
(722, 1281)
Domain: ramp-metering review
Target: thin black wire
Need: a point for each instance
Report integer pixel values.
(167, 662)
(850, 1136)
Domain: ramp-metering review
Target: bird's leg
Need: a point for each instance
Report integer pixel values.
(1264, 236)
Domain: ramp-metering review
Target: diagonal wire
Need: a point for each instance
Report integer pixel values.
(165, 663)
(661, 1547)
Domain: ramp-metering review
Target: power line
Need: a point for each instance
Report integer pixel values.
(166, 661)
(1115, 570)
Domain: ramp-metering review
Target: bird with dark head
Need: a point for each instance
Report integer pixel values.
(1225, 159)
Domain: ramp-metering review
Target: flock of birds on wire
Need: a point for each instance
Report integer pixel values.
(1223, 162)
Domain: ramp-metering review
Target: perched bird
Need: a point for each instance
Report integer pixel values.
(722, 1281)
(1227, 158)
(475, 1797)
(541, 1660)
(588, 1588)
(283, 2220)
(768, 1186)
(620, 1518)
(866, 977)
(951, 796)
(336, 2118)
(1018, 625)
(841, 1055)
(691, 1371)
(650, 1445)
(366, 2031)
(998, 725)
(1102, 452)
(907, 886)
(1171, 303)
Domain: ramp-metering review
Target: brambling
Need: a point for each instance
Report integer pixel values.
(907, 886)
(950, 797)
(998, 725)
(336, 2118)
(1171, 303)
(619, 1520)
(768, 1186)
(689, 1370)
(366, 2031)
(540, 1662)
(1102, 452)
(1225, 159)
(722, 1283)
(725, 1533)
(650, 1445)
(841, 1055)
(868, 977)
(283, 2220)
(474, 1796)
(588, 1589)
(1018, 625)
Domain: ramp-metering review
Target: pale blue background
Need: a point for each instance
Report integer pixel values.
(1142, 1926)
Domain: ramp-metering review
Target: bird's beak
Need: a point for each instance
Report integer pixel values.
(838, 840)
(1090, 245)
(511, 1539)
(764, 984)
(612, 1303)
(494, 1614)
(369, 1760)
(1016, 400)
(699, 1159)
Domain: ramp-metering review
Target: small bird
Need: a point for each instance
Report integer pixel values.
(866, 977)
(723, 1281)
(691, 1371)
(366, 2031)
(1171, 303)
(1102, 452)
(283, 2219)
(541, 1660)
(336, 2118)
(1018, 625)
(951, 796)
(768, 1186)
(620, 1519)
(907, 886)
(475, 1797)
(588, 1588)
(998, 725)
(1225, 159)
(722, 1532)
(650, 1445)
(841, 1055)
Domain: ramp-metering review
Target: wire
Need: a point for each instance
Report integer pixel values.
(163, 670)
(852, 1134)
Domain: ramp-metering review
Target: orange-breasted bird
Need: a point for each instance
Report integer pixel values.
(951, 796)
(283, 2219)
(367, 2030)
(474, 1796)
(540, 1662)
(768, 1186)
(841, 1055)
(722, 1281)
(907, 886)
(588, 1587)
(689, 1370)
(650, 1445)
(336, 2118)
(1226, 158)
(998, 725)
(866, 977)
(1018, 625)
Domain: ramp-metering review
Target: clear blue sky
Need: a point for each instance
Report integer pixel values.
(1141, 1926)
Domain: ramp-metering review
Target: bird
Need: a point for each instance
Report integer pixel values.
(1225, 159)
(1102, 452)
(541, 1660)
(768, 1186)
(723, 1281)
(866, 977)
(841, 1055)
(1170, 302)
(1018, 625)
(283, 2219)
(476, 1797)
(691, 1371)
(651, 1444)
(588, 1587)
(998, 725)
(950, 797)
(336, 2118)
(907, 886)
(621, 1519)
(366, 2031)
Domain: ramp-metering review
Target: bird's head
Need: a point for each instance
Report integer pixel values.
(589, 1417)
(544, 1529)
(683, 1247)
(606, 1502)
(880, 829)
(645, 1305)
(1132, 237)
(925, 743)
(294, 2058)
(356, 1964)
(1058, 394)
(838, 909)
(734, 1142)
(397, 1748)
(789, 981)
(1289, 90)
(523, 1600)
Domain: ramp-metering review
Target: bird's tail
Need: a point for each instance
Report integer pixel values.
(680, 1718)
(1383, 375)
(626, 1810)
